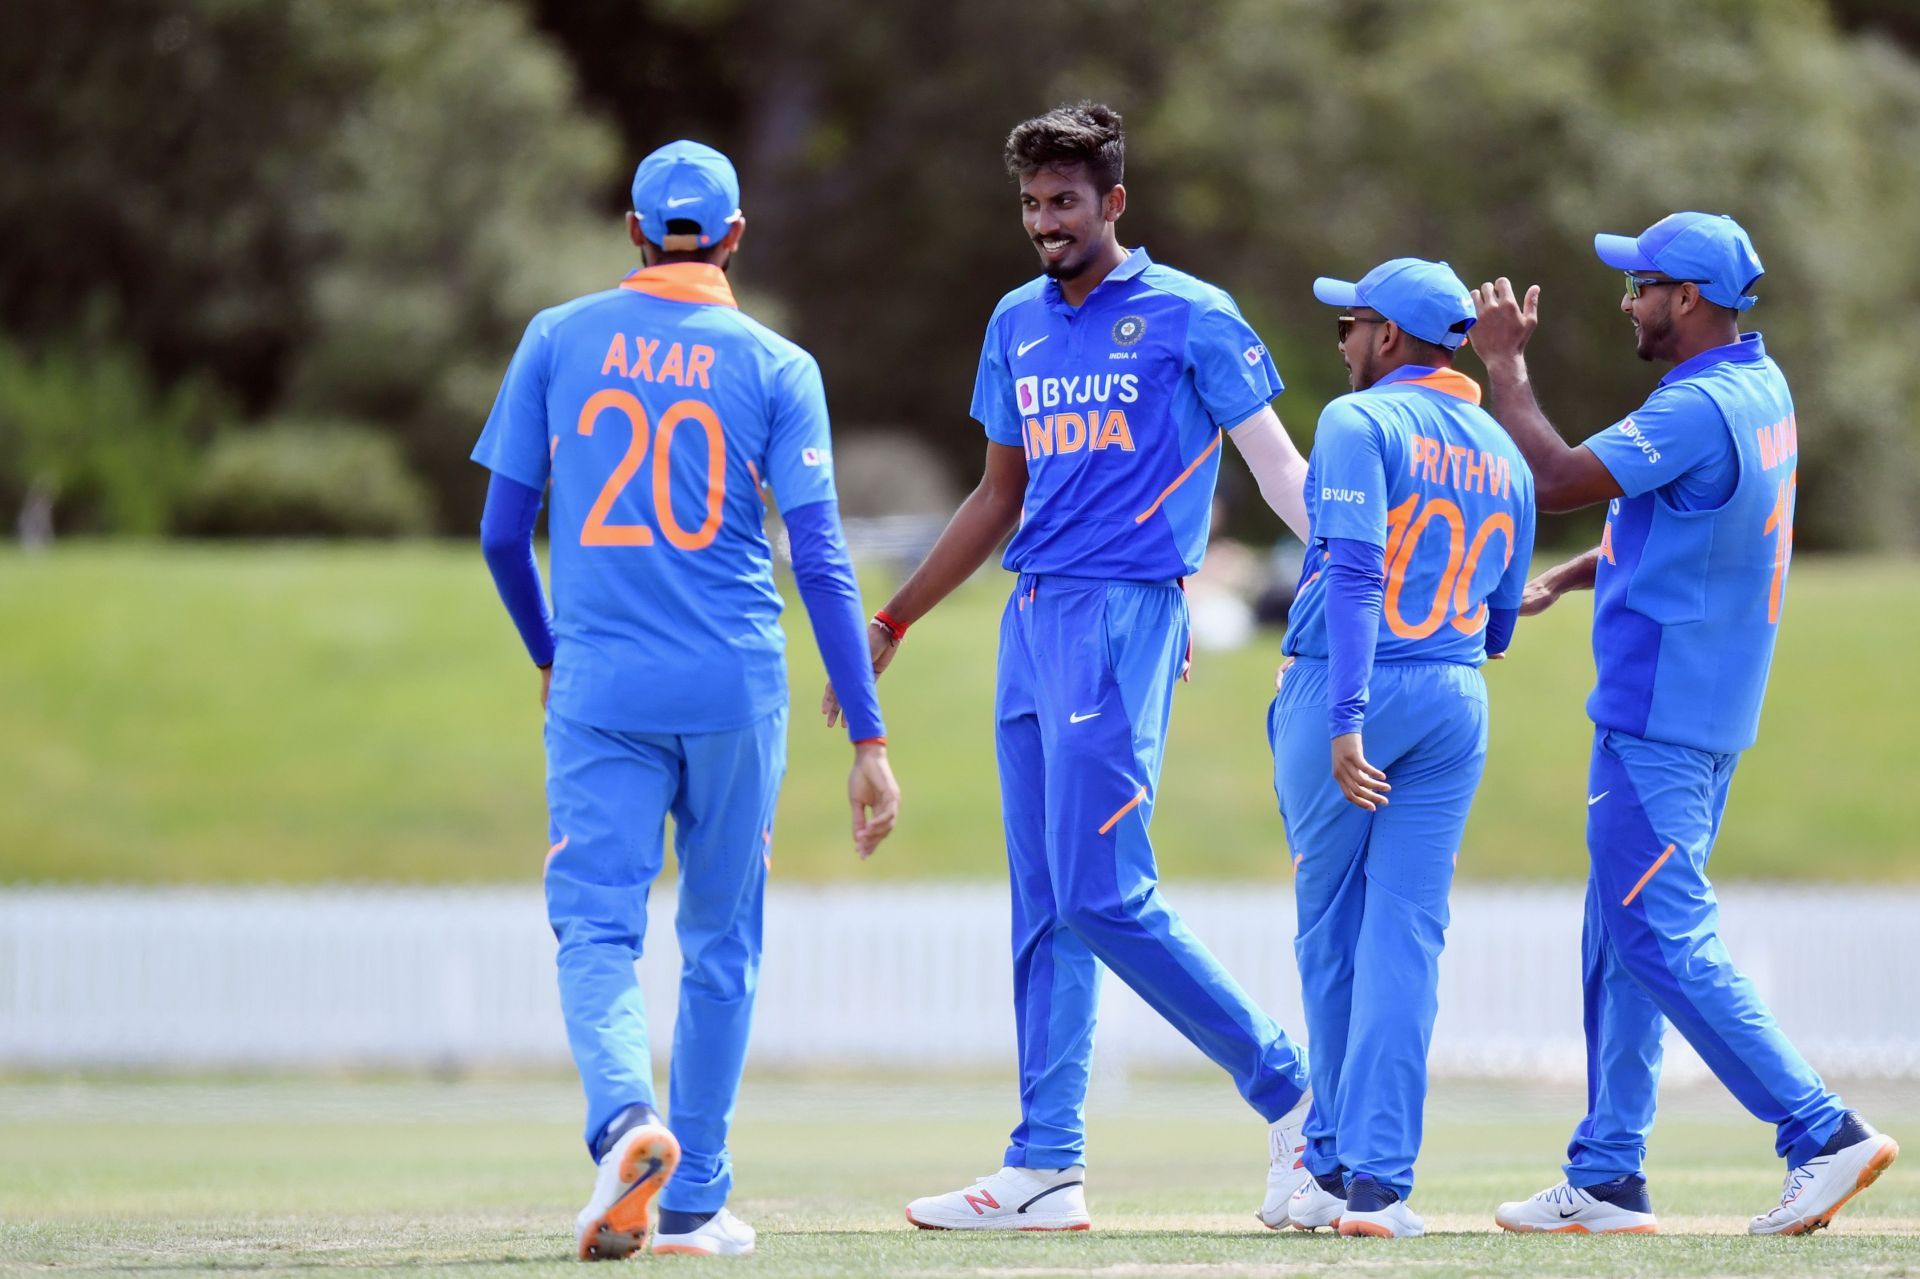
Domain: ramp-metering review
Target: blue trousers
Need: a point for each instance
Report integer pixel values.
(608, 796)
(1371, 891)
(1086, 678)
(1651, 953)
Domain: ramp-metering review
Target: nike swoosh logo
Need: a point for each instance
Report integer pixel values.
(685, 199)
(1024, 347)
(1569, 1212)
(1594, 799)
(1076, 719)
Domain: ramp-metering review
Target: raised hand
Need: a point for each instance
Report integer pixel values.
(1504, 322)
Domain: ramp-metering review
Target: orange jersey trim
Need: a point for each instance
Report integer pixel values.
(1167, 492)
(1125, 808)
(701, 283)
(1448, 382)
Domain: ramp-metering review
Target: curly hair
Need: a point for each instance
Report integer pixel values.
(1087, 133)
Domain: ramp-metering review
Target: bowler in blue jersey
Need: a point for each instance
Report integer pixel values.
(1106, 387)
(655, 418)
(1689, 584)
(1422, 512)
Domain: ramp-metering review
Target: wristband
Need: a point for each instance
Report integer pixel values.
(871, 741)
(895, 630)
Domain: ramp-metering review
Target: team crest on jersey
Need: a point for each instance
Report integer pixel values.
(1129, 329)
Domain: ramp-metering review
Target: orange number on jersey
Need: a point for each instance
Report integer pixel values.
(1404, 529)
(1780, 527)
(597, 532)
(694, 411)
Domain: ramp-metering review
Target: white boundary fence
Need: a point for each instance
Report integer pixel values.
(893, 977)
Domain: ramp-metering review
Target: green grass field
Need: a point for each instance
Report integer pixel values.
(482, 1178)
(364, 713)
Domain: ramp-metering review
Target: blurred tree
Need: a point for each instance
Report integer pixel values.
(334, 207)
(1322, 139)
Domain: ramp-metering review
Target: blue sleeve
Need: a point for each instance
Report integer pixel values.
(1500, 624)
(993, 403)
(1356, 586)
(1678, 432)
(514, 442)
(824, 573)
(800, 441)
(1348, 498)
(506, 540)
(1232, 371)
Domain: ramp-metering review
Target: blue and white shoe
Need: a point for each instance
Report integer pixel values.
(1851, 1161)
(1375, 1212)
(1286, 1167)
(721, 1235)
(1618, 1207)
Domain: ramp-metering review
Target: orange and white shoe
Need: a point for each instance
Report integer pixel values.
(721, 1235)
(1821, 1186)
(1011, 1199)
(616, 1221)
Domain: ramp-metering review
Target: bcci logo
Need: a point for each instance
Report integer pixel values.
(1129, 329)
(1026, 395)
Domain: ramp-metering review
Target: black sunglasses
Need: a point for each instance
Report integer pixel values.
(1637, 283)
(1344, 324)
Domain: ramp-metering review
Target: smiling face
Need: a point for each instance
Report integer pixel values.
(1652, 313)
(1069, 222)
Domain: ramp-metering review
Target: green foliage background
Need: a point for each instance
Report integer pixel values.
(349, 208)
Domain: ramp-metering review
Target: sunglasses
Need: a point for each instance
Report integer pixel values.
(1636, 284)
(1344, 324)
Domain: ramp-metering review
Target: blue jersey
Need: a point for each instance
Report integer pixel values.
(1119, 405)
(658, 410)
(1693, 563)
(1414, 466)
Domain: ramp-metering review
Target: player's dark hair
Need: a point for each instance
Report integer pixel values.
(1087, 133)
(1425, 352)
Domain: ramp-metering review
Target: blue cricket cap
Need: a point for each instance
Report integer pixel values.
(691, 181)
(1425, 298)
(1711, 249)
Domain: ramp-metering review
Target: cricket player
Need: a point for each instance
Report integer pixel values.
(1688, 580)
(1105, 388)
(658, 413)
(1423, 521)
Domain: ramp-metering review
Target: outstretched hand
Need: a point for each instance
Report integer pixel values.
(1503, 322)
(881, 646)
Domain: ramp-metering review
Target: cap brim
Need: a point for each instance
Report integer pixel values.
(1622, 252)
(1336, 292)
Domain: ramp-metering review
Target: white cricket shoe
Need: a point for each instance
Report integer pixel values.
(1569, 1210)
(1286, 1145)
(1820, 1187)
(1314, 1206)
(722, 1235)
(615, 1222)
(1395, 1221)
(1011, 1199)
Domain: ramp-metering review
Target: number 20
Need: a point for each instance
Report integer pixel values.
(597, 532)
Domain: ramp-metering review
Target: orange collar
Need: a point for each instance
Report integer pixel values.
(701, 283)
(1447, 382)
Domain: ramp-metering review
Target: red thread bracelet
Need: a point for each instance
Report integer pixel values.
(897, 631)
